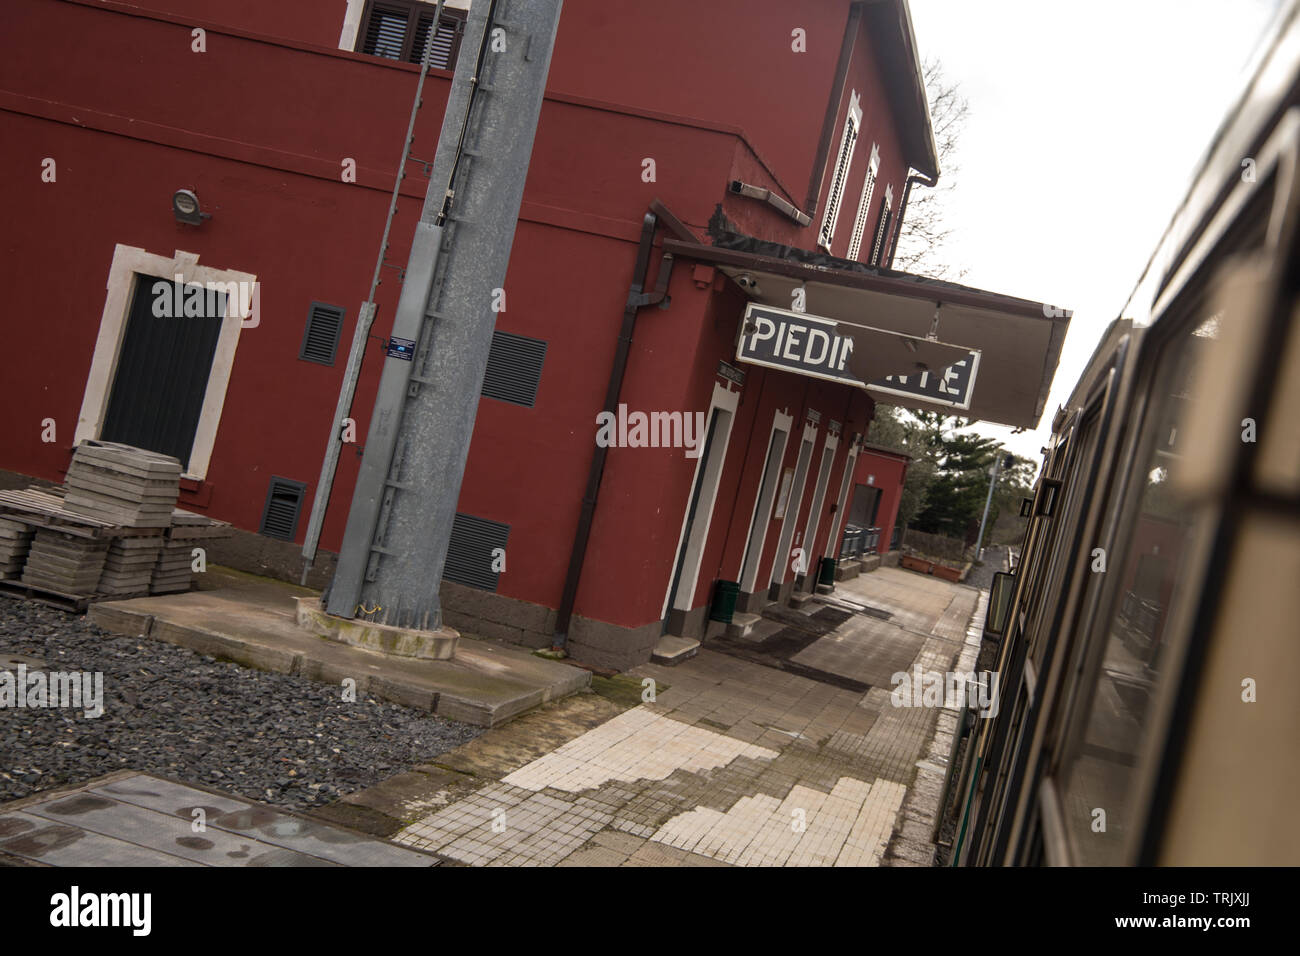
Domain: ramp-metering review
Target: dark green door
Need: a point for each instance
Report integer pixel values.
(162, 369)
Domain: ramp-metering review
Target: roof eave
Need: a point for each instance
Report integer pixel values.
(889, 25)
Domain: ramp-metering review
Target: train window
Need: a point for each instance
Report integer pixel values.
(1144, 577)
(999, 612)
(1047, 496)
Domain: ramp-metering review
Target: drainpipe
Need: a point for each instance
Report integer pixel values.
(636, 299)
(902, 210)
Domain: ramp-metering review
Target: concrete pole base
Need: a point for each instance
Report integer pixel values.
(435, 645)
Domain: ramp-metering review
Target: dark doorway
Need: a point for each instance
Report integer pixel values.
(163, 367)
(855, 537)
(866, 502)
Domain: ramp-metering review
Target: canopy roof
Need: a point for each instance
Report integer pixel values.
(1017, 341)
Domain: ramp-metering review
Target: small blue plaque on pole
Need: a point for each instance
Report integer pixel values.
(401, 348)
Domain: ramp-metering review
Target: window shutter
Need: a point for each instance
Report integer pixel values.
(514, 369)
(402, 30)
(443, 44)
(320, 340)
(864, 204)
(843, 161)
(469, 553)
(384, 33)
(283, 505)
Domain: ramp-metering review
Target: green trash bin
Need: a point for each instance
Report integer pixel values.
(724, 601)
(826, 575)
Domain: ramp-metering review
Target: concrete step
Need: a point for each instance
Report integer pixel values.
(763, 630)
(672, 649)
(845, 570)
(741, 624)
(799, 598)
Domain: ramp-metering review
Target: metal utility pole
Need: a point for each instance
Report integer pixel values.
(321, 500)
(399, 526)
(979, 542)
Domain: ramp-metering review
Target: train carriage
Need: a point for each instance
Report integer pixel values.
(1148, 639)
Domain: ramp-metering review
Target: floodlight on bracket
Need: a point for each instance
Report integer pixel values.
(186, 209)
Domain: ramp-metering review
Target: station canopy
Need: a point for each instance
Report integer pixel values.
(907, 340)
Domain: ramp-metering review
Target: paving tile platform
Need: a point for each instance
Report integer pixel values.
(136, 819)
(742, 759)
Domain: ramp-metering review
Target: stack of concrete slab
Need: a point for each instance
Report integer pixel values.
(175, 568)
(128, 486)
(129, 566)
(15, 542)
(65, 562)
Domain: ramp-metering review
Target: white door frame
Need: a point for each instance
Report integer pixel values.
(788, 520)
(781, 422)
(726, 401)
(846, 485)
(819, 499)
(129, 262)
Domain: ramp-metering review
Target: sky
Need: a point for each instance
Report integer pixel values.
(1087, 121)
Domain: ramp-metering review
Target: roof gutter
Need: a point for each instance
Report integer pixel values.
(637, 298)
(766, 195)
(915, 177)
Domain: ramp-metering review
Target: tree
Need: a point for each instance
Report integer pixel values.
(923, 234)
(891, 427)
(920, 435)
(956, 497)
(948, 477)
(1005, 525)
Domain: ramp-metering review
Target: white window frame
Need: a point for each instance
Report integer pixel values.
(840, 175)
(882, 228)
(128, 263)
(864, 204)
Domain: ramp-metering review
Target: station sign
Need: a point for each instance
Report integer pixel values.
(811, 345)
(953, 386)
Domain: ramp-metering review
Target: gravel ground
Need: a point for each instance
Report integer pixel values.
(981, 576)
(270, 737)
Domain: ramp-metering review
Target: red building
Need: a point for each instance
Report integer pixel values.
(758, 159)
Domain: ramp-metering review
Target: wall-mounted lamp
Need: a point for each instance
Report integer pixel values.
(185, 206)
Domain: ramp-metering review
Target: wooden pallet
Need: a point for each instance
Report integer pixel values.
(41, 509)
(77, 603)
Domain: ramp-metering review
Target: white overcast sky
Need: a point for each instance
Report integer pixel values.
(1087, 121)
